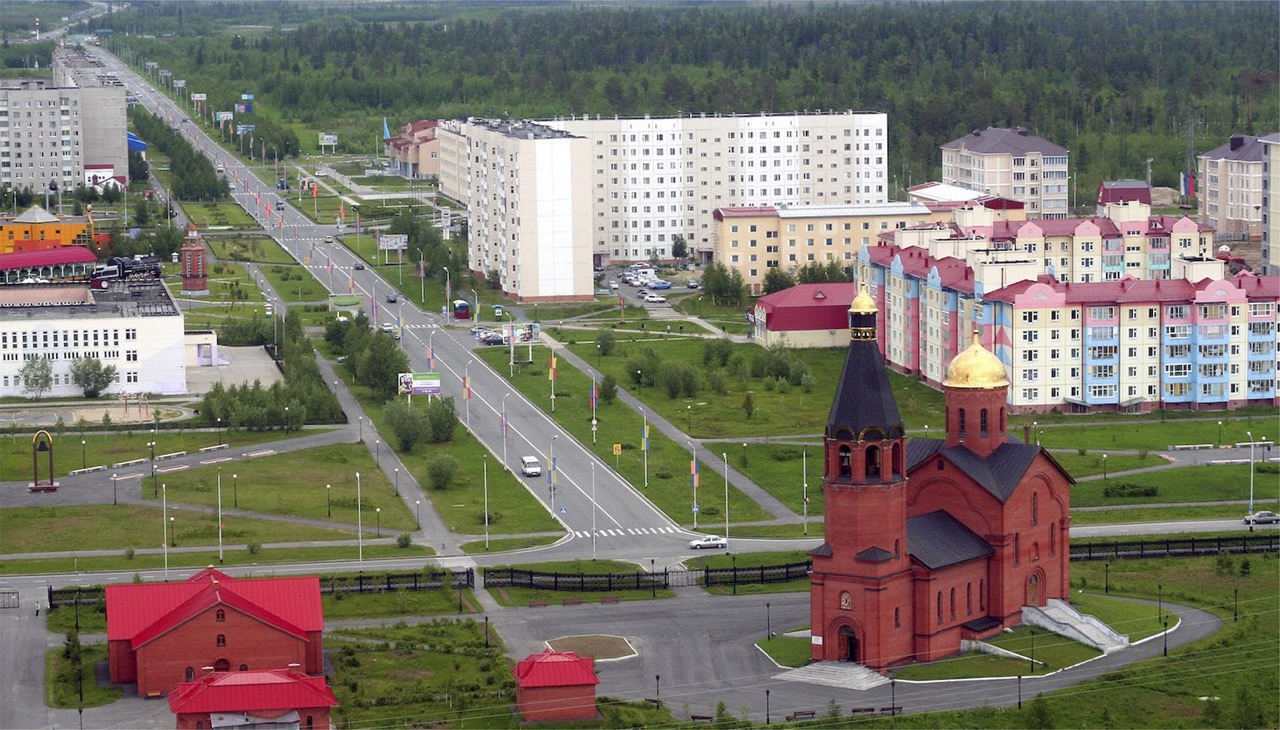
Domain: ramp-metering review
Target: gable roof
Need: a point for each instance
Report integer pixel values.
(999, 474)
(140, 612)
(48, 257)
(997, 140)
(555, 669)
(937, 540)
(255, 690)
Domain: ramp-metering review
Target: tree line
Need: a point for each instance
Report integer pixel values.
(1113, 82)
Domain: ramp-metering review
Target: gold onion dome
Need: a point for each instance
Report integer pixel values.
(863, 303)
(976, 367)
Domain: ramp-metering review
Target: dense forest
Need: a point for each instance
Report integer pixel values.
(1114, 82)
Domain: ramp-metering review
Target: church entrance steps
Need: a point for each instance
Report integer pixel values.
(845, 675)
(1061, 618)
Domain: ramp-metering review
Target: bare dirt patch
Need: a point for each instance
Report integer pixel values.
(596, 646)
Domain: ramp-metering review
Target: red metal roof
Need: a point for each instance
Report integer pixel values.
(47, 257)
(139, 612)
(808, 307)
(555, 669)
(257, 691)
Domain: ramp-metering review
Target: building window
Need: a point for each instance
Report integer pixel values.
(190, 673)
(222, 640)
(953, 604)
(244, 667)
(939, 607)
(1035, 508)
(982, 594)
(968, 599)
(960, 431)
(982, 422)
(873, 463)
(845, 462)
(220, 615)
(897, 618)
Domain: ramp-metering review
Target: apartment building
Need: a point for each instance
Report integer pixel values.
(656, 178)
(50, 130)
(1194, 341)
(754, 240)
(414, 151)
(1011, 163)
(1231, 187)
(1270, 203)
(528, 210)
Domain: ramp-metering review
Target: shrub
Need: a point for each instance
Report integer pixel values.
(128, 553)
(254, 547)
(787, 454)
(404, 540)
(606, 341)
(1130, 490)
(441, 471)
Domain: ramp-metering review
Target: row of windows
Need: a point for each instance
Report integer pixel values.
(68, 339)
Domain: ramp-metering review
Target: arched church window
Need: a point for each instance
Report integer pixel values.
(845, 461)
(1035, 508)
(897, 459)
(190, 673)
(939, 606)
(953, 604)
(968, 599)
(873, 463)
(220, 615)
(982, 594)
(897, 618)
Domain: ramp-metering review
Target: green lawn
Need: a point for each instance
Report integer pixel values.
(62, 686)
(1164, 514)
(441, 602)
(1157, 433)
(265, 556)
(502, 544)
(1135, 620)
(295, 283)
(258, 249)
(316, 484)
(787, 651)
(226, 213)
(1188, 484)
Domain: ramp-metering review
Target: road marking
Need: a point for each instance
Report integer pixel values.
(168, 469)
(265, 452)
(128, 476)
(215, 461)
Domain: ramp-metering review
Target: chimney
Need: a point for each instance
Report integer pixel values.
(1026, 434)
(977, 133)
(1237, 141)
(1022, 131)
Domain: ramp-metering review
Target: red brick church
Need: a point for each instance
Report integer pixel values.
(930, 541)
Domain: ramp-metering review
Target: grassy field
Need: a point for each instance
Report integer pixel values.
(1189, 484)
(787, 651)
(227, 213)
(669, 482)
(62, 690)
(316, 484)
(108, 527)
(442, 602)
(509, 543)
(265, 557)
(256, 249)
(295, 283)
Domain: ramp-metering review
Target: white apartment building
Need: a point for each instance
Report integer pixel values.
(528, 211)
(1011, 163)
(1270, 203)
(50, 130)
(135, 327)
(1230, 187)
(655, 178)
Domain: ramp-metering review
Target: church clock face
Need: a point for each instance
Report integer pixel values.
(846, 601)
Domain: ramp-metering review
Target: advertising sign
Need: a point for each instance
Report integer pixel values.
(328, 139)
(202, 97)
(220, 116)
(244, 108)
(242, 128)
(419, 384)
(393, 242)
(246, 97)
(522, 332)
(179, 83)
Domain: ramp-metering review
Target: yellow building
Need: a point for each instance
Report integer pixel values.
(754, 240)
(39, 230)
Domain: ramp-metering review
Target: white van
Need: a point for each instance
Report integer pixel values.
(530, 467)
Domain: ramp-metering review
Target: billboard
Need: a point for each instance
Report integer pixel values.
(522, 333)
(242, 128)
(220, 116)
(179, 83)
(393, 242)
(419, 384)
(196, 96)
(244, 108)
(246, 97)
(328, 139)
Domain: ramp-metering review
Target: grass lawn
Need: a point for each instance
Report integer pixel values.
(669, 480)
(497, 545)
(441, 602)
(1135, 620)
(1164, 514)
(442, 672)
(93, 619)
(295, 283)
(965, 666)
(787, 651)
(61, 688)
(258, 249)
(744, 562)
(1188, 484)
(227, 213)
(1050, 651)
(266, 557)
(312, 484)
(1158, 433)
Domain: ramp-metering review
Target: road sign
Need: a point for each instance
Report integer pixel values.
(617, 449)
(695, 508)
(564, 511)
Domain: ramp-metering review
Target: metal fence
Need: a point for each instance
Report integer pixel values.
(391, 582)
(735, 576)
(8, 597)
(1171, 548)
(519, 578)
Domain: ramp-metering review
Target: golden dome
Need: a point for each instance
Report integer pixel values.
(976, 367)
(863, 303)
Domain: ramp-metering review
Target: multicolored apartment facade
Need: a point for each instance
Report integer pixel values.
(1077, 337)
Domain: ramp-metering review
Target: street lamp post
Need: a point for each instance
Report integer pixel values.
(1035, 425)
(164, 528)
(397, 481)
(152, 445)
(504, 430)
(693, 469)
(725, 456)
(218, 429)
(328, 500)
(361, 419)
(83, 463)
(639, 381)
(1219, 434)
(653, 586)
(688, 418)
(744, 453)
(113, 489)
(219, 515)
(417, 506)
(377, 451)
(1250, 434)
(359, 525)
(1104, 466)
(485, 468)
(378, 513)
(551, 474)
(448, 287)
(768, 622)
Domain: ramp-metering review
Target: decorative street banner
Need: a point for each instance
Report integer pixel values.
(393, 242)
(419, 384)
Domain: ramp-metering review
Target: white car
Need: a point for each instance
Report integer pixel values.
(613, 285)
(655, 299)
(708, 541)
(530, 467)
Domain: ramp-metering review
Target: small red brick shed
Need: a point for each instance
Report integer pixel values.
(556, 685)
(268, 697)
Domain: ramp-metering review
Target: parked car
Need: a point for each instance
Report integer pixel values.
(708, 541)
(530, 467)
(693, 284)
(613, 285)
(655, 299)
(1265, 517)
(661, 284)
(492, 338)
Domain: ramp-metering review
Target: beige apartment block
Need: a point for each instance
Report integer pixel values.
(528, 217)
(1230, 188)
(1011, 163)
(1271, 203)
(753, 240)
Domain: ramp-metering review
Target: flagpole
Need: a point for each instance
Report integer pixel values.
(645, 416)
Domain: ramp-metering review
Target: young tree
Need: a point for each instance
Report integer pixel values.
(679, 249)
(605, 341)
(442, 420)
(407, 424)
(775, 280)
(440, 471)
(37, 376)
(608, 388)
(92, 376)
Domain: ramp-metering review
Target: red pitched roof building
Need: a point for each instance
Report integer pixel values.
(929, 542)
(806, 315)
(556, 686)
(268, 697)
(161, 634)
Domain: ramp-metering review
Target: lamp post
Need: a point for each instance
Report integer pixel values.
(328, 500)
(359, 525)
(639, 382)
(1250, 434)
(1219, 434)
(235, 491)
(598, 355)
(1106, 580)
(767, 718)
(113, 489)
(485, 469)
(734, 558)
(744, 453)
(466, 380)
(361, 419)
(551, 474)
(448, 287)
(504, 430)
(377, 451)
(653, 586)
(1104, 466)
(164, 528)
(417, 506)
(218, 429)
(688, 419)
(152, 445)
(1160, 601)
(397, 481)
(657, 686)
(1033, 651)
(926, 430)
(219, 515)
(768, 622)
(378, 513)
(1035, 430)
(725, 455)
(83, 462)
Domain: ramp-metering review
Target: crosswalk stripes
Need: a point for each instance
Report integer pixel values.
(622, 532)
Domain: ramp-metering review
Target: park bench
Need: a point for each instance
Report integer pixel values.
(890, 710)
(537, 603)
(44, 487)
(571, 602)
(861, 710)
(702, 718)
(801, 715)
(610, 599)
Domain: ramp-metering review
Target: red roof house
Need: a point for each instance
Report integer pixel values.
(161, 634)
(269, 697)
(555, 685)
(806, 315)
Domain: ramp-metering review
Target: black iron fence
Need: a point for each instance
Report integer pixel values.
(735, 576)
(1172, 548)
(520, 578)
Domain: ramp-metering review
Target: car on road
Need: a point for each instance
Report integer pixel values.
(530, 466)
(492, 338)
(708, 541)
(479, 329)
(655, 299)
(359, 267)
(1265, 517)
(661, 284)
(392, 299)
(328, 239)
(613, 285)
(390, 328)
(693, 284)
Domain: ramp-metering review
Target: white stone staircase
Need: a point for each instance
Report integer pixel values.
(844, 675)
(1062, 619)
